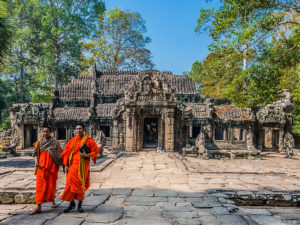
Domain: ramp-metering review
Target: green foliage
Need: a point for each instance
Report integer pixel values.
(216, 72)
(6, 30)
(7, 98)
(263, 37)
(61, 25)
(42, 95)
(45, 50)
(120, 43)
(296, 111)
(5, 124)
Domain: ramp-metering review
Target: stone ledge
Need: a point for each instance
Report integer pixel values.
(264, 198)
(28, 196)
(17, 197)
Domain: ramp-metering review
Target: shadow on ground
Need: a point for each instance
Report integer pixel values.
(153, 206)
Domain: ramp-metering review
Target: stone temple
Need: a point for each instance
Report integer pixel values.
(154, 110)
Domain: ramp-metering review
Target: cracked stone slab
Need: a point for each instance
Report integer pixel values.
(95, 200)
(136, 208)
(115, 200)
(153, 215)
(220, 210)
(106, 191)
(231, 219)
(181, 221)
(25, 218)
(142, 221)
(144, 201)
(267, 220)
(122, 191)
(66, 220)
(209, 220)
(177, 214)
(165, 193)
(141, 192)
(105, 214)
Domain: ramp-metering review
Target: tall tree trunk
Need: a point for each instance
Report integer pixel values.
(245, 62)
(56, 64)
(22, 76)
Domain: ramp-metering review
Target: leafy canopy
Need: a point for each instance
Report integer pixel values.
(120, 43)
(254, 51)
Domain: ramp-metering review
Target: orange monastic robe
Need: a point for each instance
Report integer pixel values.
(73, 189)
(46, 178)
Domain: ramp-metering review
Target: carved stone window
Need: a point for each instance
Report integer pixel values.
(61, 133)
(219, 133)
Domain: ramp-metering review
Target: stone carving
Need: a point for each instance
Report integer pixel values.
(276, 112)
(101, 141)
(188, 149)
(149, 86)
(201, 142)
(10, 141)
(289, 144)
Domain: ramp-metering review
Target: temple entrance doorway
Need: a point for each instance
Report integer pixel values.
(150, 137)
(30, 135)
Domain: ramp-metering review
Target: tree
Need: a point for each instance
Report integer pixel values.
(5, 30)
(45, 52)
(7, 97)
(120, 43)
(267, 34)
(16, 63)
(61, 26)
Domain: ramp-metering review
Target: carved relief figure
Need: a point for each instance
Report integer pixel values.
(289, 144)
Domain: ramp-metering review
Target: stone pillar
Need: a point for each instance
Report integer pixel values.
(115, 140)
(161, 132)
(281, 136)
(140, 132)
(169, 130)
(210, 132)
(129, 131)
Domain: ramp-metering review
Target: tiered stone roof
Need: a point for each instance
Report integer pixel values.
(115, 83)
(200, 111)
(112, 83)
(71, 113)
(79, 88)
(228, 112)
(105, 110)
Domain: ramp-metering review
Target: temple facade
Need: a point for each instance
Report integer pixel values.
(151, 109)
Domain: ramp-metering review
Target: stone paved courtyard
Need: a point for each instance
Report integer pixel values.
(165, 188)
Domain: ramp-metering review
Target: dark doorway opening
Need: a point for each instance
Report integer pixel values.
(62, 133)
(30, 135)
(275, 139)
(106, 130)
(150, 137)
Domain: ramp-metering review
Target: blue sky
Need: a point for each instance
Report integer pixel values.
(170, 24)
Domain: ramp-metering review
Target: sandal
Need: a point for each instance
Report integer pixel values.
(54, 206)
(36, 211)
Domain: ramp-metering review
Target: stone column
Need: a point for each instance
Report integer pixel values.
(129, 131)
(161, 132)
(169, 130)
(281, 136)
(140, 132)
(115, 140)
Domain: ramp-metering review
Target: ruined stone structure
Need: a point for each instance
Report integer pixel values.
(152, 109)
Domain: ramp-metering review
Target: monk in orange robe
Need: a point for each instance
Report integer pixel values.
(47, 153)
(77, 166)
